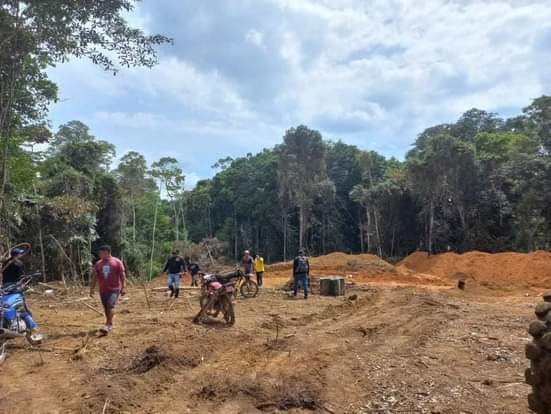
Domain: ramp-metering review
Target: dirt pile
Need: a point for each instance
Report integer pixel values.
(488, 269)
(340, 263)
(356, 268)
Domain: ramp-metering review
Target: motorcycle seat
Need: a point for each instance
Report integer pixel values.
(226, 277)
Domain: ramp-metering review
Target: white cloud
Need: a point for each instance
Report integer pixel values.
(191, 180)
(373, 72)
(384, 61)
(255, 38)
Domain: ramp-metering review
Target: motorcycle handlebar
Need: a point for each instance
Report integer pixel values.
(21, 284)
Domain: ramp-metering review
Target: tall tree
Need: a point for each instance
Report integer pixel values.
(302, 167)
(539, 117)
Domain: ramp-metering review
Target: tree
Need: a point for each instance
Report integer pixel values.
(171, 177)
(373, 169)
(302, 167)
(346, 221)
(473, 122)
(539, 118)
(132, 177)
(36, 34)
(442, 173)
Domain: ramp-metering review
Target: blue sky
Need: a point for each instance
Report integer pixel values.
(373, 73)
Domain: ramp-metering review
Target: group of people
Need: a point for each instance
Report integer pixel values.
(253, 266)
(175, 267)
(301, 270)
(109, 275)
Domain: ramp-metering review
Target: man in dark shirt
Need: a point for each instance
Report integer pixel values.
(175, 266)
(247, 262)
(12, 270)
(193, 269)
(301, 273)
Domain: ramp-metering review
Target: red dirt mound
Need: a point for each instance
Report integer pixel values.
(340, 262)
(498, 269)
(356, 268)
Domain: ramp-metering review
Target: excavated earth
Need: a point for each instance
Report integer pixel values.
(400, 341)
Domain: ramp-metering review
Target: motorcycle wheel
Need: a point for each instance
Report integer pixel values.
(227, 306)
(249, 289)
(212, 311)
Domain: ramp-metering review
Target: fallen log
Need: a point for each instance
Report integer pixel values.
(91, 307)
(165, 289)
(47, 285)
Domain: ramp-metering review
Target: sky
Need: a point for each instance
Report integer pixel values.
(373, 73)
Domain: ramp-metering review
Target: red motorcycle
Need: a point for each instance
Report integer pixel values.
(216, 297)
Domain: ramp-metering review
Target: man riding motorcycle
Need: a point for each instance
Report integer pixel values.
(11, 272)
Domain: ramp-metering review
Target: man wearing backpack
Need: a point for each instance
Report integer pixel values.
(301, 273)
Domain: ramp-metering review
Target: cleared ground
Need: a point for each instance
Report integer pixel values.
(381, 349)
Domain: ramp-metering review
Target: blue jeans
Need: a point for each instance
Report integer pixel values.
(28, 318)
(174, 280)
(301, 278)
(109, 299)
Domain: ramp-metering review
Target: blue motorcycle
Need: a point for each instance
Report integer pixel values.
(16, 320)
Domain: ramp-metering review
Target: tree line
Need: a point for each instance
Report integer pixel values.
(482, 183)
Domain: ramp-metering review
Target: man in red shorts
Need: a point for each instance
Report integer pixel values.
(109, 273)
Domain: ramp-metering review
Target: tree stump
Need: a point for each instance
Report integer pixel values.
(332, 286)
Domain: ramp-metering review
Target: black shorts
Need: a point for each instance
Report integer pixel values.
(109, 299)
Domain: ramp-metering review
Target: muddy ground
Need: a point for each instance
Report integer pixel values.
(381, 349)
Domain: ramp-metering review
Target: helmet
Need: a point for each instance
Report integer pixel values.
(17, 251)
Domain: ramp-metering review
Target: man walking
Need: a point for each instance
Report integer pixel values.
(259, 269)
(175, 266)
(301, 273)
(110, 274)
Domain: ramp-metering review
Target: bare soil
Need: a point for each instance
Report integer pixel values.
(389, 346)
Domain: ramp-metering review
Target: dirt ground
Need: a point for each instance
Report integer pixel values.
(386, 347)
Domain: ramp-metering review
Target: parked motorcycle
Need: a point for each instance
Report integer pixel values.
(216, 298)
(15, 319)
(247, 286)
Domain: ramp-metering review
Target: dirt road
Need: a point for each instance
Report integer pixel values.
(391, 350)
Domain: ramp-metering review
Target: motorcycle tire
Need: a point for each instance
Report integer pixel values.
(248, 289)
(227, 306)
(203, 301)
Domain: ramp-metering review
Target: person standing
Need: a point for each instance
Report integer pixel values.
(194, 270)
(259, 269)
(301, 273)
(247, 262)
(175, 266)
(110, 274)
